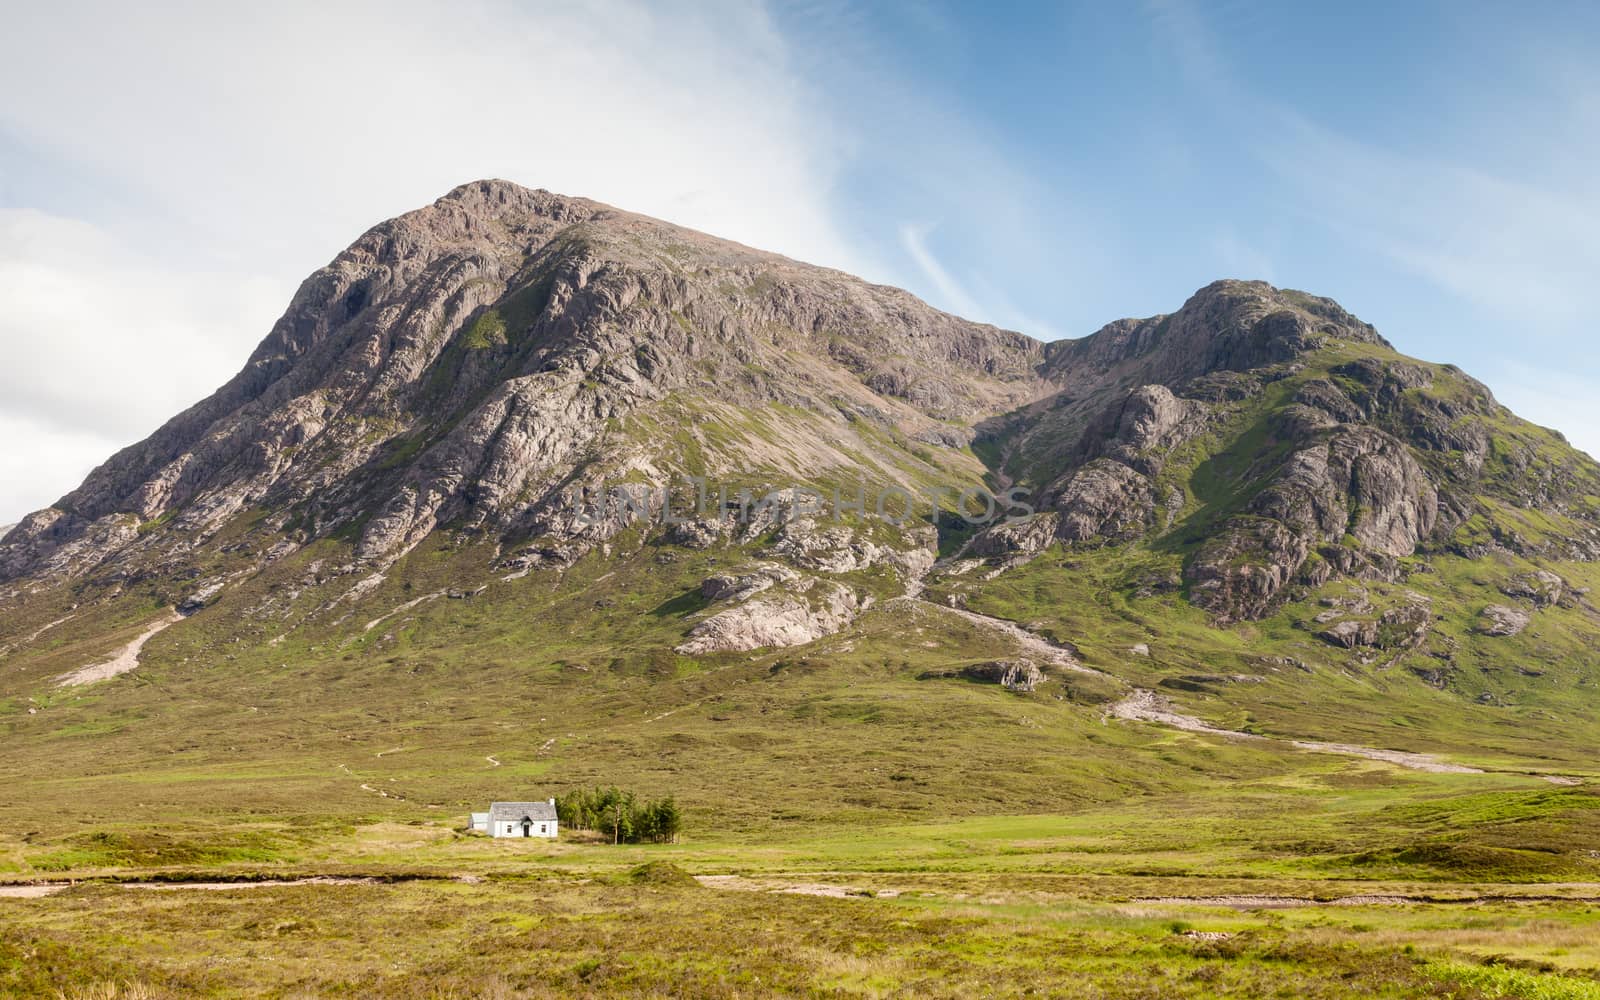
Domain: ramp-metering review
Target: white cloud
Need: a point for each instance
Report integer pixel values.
(103, 341)
(951, 295)
(229, 150)
(31, 475)
(300, 124)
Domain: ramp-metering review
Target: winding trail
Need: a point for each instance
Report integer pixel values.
(39, 890)
(41, 631)
(257, 884)
(34, 890)
(369, 626)
(1032, 642)
(124, 660)
(1147, 706)
(796, 883)
(12, 647)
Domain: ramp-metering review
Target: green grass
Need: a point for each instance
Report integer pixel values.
(487, 331)
(544, 936)
(1497, 981)
(291, 730)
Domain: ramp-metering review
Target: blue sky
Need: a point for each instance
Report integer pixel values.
(168, 173)
(1432, 166)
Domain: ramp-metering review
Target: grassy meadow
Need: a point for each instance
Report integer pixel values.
(859, 820)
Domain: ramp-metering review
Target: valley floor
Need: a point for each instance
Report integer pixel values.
(1200, 815)
(1150, 900)
(653, 932)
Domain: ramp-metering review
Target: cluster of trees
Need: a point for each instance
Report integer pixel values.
(621, 815)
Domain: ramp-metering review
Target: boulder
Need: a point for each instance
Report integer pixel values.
(777, 619)
(1023, 536)
(200, 598)
(1021, 676)
(739, 586)
(1350, 634)
(1542, 587)
(1499, 620)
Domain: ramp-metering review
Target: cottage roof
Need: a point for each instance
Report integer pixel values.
(513, 812)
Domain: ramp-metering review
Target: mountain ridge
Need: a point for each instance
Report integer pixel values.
(1262, 545)
(467, 366)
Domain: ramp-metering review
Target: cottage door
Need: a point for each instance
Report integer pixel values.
(527, 828)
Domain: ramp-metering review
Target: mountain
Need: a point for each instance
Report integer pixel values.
(444, 467)
(462, 364)
(457, 363)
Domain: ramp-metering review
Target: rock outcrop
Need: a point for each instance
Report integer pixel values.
(1021, 676)
(1017, 537)
(1499, 620)
(1542, 587)
(804, 613)
(1402, 627)
(457, 364)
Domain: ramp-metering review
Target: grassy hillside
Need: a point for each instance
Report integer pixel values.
(864, 808)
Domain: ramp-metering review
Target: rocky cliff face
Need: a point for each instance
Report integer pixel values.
(460, 363)
(463, 368)
(1281, 443)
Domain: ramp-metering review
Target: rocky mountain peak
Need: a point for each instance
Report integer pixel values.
(456, 363)
(1228, 325)
(464, 368)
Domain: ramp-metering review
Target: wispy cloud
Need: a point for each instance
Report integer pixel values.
(301, 125)
(1520, 243)
(1526, 251)
(976, 299)
(951, 295)
(1508, 240)
(232, 150)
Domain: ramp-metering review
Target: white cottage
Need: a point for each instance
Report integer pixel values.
(518, 819)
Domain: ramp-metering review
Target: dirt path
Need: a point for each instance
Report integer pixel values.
(125, 659)
(1147, 706)
(38, 890)
(738, 883)
(1031, 642)
(1403, 758)
(258, 884)
(369, 626)
(12, 647)
(38, 632)
(1382, 899)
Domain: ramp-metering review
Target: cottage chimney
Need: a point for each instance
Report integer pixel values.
(552, 801)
